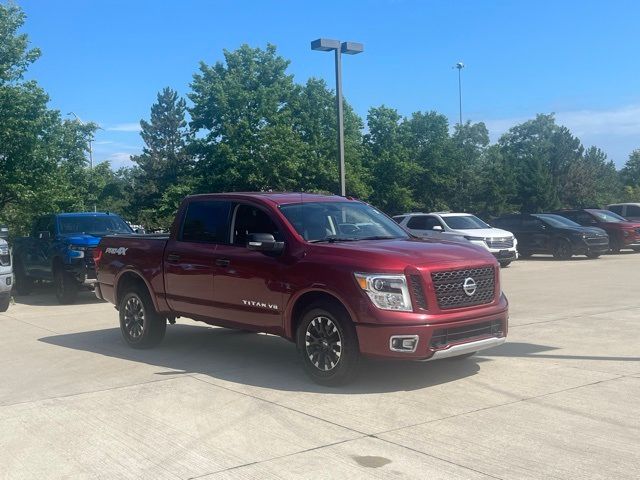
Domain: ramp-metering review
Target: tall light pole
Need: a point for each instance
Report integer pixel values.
(460, 66)
(350, 48)
(90, 140)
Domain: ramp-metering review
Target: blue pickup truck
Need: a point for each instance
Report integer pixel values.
(60, 249)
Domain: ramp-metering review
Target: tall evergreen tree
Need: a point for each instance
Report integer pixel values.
(165, 160)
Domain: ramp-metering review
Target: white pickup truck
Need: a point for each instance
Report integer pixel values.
(6, 271)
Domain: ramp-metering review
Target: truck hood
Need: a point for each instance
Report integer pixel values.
(394, 254)
(484, 232)
(81, 240)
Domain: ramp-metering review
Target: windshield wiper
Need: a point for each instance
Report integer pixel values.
(333, 239)
(379, 237)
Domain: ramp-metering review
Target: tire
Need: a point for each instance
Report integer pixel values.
(593, 256)
(4, 302)
(562, 249)
(141, 326)
(24, 284)
(328, 345)
(66, 287)
(615, 245)
(505, 264)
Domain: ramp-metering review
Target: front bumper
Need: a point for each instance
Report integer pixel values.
(375, 340)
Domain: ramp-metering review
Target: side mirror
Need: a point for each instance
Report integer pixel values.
(44, 235)
(437, 228)
(264, 242)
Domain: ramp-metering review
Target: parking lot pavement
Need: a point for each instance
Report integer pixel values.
(558, 400)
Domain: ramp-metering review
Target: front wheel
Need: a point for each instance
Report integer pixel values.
(562, 249)
(4, 302)
(328, 344)
(66, 287)
(141, 326)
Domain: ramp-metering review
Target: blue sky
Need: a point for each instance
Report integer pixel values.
(106, 60)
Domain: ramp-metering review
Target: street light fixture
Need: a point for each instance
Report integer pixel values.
(90, 149)
(350, 48)
(460, 66)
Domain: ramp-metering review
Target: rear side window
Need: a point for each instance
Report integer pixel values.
(508, 223)
(206, 222)
(399, 218)
(633, 211)
(420, 223)
(616, 209)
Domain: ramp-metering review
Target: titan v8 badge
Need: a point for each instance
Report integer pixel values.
(253, 303)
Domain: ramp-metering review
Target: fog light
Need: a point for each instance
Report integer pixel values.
(403, 343)
(8, 281)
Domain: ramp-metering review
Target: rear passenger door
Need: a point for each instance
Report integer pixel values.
(189, 258)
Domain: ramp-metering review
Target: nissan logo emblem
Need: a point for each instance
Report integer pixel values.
(469, 286)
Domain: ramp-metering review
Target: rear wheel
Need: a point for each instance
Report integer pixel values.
(328, 344)
(66, 286)
(562, 249)
(24, 284)
(141, 326)
(4, 302)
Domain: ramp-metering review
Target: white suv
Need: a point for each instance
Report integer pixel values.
(502, 244)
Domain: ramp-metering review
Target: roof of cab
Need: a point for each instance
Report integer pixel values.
(83, 214)
(277, 198)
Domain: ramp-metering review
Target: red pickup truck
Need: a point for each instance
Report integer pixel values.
(332, 274)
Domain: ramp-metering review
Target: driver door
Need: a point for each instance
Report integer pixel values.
(247, 285)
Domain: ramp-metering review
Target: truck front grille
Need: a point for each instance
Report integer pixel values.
(417, 292)
(450, 291)
(445, 336)
(499, 242)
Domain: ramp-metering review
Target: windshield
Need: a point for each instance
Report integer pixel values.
(606, 216)
(93, 225)
(556, 220)
(340, 221)
(464, 222)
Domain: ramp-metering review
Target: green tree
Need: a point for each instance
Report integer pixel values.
(630, 173)
(242, 115)
(39, 153)
(165, 159)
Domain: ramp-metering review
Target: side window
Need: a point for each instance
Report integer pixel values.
(583, 218)
(206, 222)
(633, 211)
(432, 222)
(531, 223)
(616, 209)
(418, 222)
(40, 225)
(399, 218)
(51, 226)
(250, 219)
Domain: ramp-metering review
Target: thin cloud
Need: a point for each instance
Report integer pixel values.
(125, 127)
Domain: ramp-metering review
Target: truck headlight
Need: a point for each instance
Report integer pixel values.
(387, 292)
(76, 251)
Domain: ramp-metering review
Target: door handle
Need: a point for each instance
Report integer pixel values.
(223, 262)
(173, 257)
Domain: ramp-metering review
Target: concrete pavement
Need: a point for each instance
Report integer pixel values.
(558, 400)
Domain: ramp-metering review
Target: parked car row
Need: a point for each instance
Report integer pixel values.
(562, 233)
